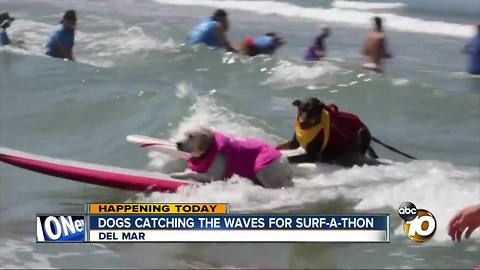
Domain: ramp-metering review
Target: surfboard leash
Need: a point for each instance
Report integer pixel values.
(393, 148)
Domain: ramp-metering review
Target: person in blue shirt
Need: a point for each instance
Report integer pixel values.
(473, 50)
(266, 44)
(211, 32)
(5, 22)
(60, 44)
(318, 48)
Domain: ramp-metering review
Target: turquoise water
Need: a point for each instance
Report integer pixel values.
(135, 76)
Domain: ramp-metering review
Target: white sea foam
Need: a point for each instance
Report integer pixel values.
(105, 48)
(367, 5)
(183, 89)
(357, 17)
(34, 34)
(287, 74)
(400, 81)
(207, 112)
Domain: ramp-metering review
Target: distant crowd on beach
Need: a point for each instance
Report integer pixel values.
(212, 30)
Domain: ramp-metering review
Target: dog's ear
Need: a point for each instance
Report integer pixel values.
(296, 103)
(206, 137)
(317, 103)
(207, 132)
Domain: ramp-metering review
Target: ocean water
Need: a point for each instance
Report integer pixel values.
(134, 75)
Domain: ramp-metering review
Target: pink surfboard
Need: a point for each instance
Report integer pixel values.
(93, 173)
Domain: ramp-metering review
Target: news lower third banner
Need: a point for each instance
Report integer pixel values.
(205, 223)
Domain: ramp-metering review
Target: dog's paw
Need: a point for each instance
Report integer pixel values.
(178, 175)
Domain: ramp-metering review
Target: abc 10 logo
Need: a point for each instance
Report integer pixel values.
(419, 225)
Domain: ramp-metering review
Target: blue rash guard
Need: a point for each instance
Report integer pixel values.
(4, 40)
(204, 32)
(474, 52)
(265, 44)
(63, 36)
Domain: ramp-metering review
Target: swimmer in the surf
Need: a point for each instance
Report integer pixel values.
(62, 40)
(375, 47)
(211, 31)
(318, 49)
(5, 22)
(473, 50)
(266, 44)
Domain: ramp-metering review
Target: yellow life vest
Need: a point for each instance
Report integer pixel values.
(305, 136)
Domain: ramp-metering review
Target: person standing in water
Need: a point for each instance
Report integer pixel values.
(473, 50)
(5, 22)
(62, 40)
(375, 47)
(318, 48)
(212, 31)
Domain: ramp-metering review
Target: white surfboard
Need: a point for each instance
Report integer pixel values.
(158, 145)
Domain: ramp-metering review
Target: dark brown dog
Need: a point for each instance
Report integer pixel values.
(348, 140)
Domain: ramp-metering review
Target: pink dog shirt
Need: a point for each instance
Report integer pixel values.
(245, 157)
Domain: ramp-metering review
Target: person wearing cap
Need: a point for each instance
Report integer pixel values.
(317, 50)
(211, 31)
(5, 22)
(266, 44)
(60, 44)
(473, 51)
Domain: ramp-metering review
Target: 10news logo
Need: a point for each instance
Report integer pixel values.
(419, 225)
(51, 228)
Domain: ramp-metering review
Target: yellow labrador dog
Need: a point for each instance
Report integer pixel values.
(217, 156)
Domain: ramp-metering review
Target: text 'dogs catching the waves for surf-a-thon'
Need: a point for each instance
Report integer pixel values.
(205, 222)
